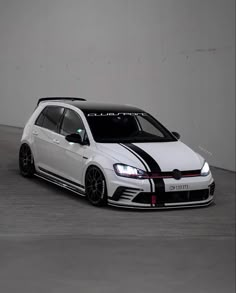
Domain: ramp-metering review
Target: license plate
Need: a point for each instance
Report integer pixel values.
(178, 187)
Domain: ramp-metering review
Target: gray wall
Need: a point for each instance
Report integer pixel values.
(174, 58)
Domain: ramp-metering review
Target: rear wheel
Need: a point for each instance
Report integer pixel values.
(95, 186)
(26, 161)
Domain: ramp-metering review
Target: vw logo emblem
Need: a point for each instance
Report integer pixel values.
(177, 174)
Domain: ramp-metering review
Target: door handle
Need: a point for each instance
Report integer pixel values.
(35, 133)
(56, 141)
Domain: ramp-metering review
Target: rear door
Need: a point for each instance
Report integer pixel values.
(45, 138)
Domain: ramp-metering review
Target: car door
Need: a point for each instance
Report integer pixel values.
(70, 158)
(44, 135)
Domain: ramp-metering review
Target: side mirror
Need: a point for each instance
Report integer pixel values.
(176, 134)
(74, 137)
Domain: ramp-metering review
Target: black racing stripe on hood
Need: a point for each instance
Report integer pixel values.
(154, 167)
(152, 164)
(135, 154)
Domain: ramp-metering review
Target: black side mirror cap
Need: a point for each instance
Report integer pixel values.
(74, 137)
(176, 134)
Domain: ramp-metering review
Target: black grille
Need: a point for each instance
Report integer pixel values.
(212, 188)
(189, 173)
(173, 197)
(124, 192)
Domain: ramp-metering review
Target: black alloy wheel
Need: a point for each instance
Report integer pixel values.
(26, 161)
(95, 187)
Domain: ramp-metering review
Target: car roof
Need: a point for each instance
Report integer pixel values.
(104, 107)
(88, 107)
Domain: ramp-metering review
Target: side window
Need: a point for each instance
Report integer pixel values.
(40, 119)
(52, 117)
(72, 123)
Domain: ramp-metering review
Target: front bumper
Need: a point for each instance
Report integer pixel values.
(187, 192)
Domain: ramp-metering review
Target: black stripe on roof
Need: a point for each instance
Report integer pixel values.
(90, 107)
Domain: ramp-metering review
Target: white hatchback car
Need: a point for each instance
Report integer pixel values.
(113, 154)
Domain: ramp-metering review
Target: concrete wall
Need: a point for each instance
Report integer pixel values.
(174, 58)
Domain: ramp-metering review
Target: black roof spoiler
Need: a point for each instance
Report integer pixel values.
(59, 98)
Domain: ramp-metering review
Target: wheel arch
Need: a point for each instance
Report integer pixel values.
(29, 143)
(101, 164)
(31, 167)
(97, 186)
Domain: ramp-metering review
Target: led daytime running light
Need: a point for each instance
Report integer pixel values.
(129, 171)
(205, 169)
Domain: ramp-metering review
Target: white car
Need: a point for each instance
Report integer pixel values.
(113, 154)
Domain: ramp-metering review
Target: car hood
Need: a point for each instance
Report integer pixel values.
(168, 155)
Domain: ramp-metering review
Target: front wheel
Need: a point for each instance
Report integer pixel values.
(26, 161)
(95, 186)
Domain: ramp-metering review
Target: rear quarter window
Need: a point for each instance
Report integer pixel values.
(40, 119)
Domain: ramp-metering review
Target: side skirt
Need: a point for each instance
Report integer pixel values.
(60, 182)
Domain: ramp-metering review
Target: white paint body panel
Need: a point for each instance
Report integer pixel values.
(169, 155)
(70, 161)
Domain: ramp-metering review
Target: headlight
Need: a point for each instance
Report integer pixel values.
(205, 169)
(129, 171)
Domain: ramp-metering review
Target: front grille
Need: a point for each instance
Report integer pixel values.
(170, 174)
(173, 197)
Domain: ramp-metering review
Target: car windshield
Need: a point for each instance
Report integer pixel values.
(127, 127)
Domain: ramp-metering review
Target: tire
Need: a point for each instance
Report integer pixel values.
(95, 186)
(26, 161)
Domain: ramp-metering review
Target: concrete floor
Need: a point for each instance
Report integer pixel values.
(54, 241)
